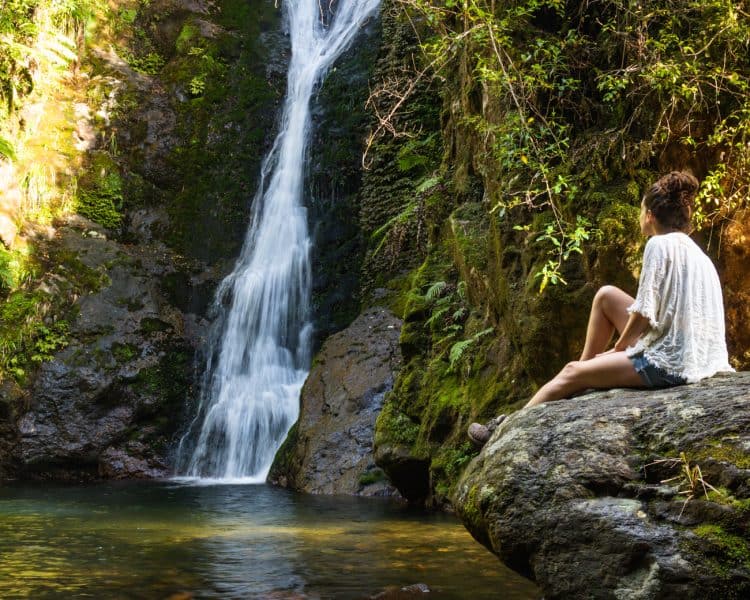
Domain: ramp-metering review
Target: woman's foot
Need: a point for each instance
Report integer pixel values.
(479, 434)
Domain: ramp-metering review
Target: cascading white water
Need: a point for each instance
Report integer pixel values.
(250, 396)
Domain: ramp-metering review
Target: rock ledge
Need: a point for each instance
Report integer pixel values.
(573, 494)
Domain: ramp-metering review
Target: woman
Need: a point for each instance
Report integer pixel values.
(672, 333)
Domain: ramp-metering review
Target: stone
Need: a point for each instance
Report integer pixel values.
(85, 134)
(121, 464)
(589, 496)
(330, 449)
(107, 404)
(8, 230)
(11, 397)
(408, 591)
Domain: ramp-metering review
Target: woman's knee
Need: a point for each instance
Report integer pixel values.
(606, 293)
(569, 373)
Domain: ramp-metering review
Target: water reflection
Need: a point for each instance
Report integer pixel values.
(157, 540)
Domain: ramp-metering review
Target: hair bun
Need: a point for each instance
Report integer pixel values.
(680, 187)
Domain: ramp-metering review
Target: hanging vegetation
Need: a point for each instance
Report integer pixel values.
(571, 93)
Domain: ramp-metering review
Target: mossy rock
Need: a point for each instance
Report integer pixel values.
(468, 237)
(100, 192)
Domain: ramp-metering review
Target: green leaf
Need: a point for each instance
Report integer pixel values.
(6, 149)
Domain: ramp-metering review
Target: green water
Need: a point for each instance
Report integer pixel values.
(162, 540)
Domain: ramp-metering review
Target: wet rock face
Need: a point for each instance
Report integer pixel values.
(10, 397)
(334, 174)
(108, 404)
(574, 494)
(329, 451)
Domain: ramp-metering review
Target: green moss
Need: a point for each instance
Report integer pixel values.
(188, 38)
(448, 463)
(471, 512)
(124, 353)
(469, 230)
(372, 476)
(284, 463)
(224, 128)
(725, 451)
(397, 167)
(394, 427)
(100, 192)
(730, 548)
(437, 392)
(99, 208)
(151, 325)
(722, 495)
(167, 383)
(618, 222)
(26, 339)
(12, 263)
(82, 277)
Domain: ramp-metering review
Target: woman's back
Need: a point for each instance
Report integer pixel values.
(680, 293)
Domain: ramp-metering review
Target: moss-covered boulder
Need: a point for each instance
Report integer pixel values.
(329, 450)
(621, 494)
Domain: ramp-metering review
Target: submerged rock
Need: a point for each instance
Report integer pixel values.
(329, 450)
(594, 498)
(409, 591)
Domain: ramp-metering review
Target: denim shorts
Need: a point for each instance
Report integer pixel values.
(653, 376)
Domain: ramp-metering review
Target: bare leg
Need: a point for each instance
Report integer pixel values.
(608, 314)
(606, 371)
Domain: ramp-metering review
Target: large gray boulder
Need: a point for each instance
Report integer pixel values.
(109, 403)
(575, 494)
(329, 450)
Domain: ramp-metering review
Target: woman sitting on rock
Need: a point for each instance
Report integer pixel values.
(672, 333)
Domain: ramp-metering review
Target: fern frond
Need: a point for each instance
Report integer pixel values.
(482, 333)
(401, 217)
(459, 314)
(457, 352)
(437, 315)
(461, 289)
(436, 290)
(446, 338)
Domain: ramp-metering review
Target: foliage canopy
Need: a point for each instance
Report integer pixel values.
(569, 93)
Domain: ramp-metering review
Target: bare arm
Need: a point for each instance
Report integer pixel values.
(636, 326)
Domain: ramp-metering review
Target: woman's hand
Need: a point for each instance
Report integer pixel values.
(636, 326)
(610, 351)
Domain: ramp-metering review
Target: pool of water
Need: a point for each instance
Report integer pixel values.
(168, 540)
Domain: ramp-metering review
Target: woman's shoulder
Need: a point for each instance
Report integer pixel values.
(675, 247)
(673, 239)
(657, 244)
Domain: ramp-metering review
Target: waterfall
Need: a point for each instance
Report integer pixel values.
(257, 365)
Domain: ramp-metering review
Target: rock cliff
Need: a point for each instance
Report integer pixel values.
(106, 405)
(165, 182)
(603, 496)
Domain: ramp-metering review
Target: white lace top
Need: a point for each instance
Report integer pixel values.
(680, 294)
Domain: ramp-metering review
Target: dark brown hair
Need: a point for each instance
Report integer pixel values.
(670, 200)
